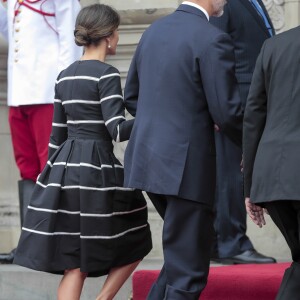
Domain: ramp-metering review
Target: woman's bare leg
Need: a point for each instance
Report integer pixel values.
(71, 285)
(115, 280)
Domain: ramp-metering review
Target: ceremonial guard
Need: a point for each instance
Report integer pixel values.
(41, 44)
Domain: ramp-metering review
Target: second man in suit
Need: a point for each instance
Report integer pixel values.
(249, 25)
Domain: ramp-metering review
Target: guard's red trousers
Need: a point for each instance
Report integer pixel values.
(30, 127)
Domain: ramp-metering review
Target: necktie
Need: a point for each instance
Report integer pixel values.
(262, 14)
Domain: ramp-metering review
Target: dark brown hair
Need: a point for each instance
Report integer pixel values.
(95, 22)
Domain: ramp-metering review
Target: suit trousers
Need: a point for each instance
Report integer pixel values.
(187, 237)
(286, 216)
(30, 127)
(230, 213)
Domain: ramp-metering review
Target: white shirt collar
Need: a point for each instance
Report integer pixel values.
(197, 6)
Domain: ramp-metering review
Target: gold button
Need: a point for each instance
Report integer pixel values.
(17, 30)
(16, 60)
(20, 1)
(16, 41)
(18, 21)
(16, 50)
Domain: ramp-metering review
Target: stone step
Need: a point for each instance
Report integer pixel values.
(18, 283)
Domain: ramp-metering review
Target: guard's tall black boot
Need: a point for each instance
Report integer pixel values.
(25, 192)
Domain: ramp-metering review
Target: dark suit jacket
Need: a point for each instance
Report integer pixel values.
(181, 81)
(248, 32)
(271, 140)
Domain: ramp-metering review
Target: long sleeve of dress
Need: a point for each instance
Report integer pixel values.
(112, 105)
(59, 126)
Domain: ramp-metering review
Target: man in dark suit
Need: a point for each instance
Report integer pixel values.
(180, 83)
(271, 146)
(249, 25)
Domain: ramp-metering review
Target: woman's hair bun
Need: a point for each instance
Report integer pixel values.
(82, 37)
(94, 23)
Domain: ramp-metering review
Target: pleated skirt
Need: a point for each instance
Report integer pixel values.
(81, 216)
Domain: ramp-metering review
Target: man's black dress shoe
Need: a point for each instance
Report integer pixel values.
(7, 258)
(247, 257)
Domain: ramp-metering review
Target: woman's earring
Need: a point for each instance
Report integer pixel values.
(109, 46)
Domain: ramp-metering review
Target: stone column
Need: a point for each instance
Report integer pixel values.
(285, 14)
(276, 11)
(291, 13)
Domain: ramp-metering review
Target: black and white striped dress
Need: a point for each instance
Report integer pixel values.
(80, 215)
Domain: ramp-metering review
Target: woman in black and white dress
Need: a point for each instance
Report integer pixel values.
(81, 221)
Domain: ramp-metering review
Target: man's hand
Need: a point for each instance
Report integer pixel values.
(255, 212)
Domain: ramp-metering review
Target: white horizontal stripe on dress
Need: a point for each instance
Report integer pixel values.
(80, 101)
(50, 184)
(85, 236)
(62, 163)
(59, 125)
(118, 213)
(103, 237)
(70, 187)
(110, 75)
(85, 122)
(57, 101)
(50, 233)
(111, 97)
(77, 77)
(119, 166)
(53, 146)
(54, 211)
(114, 118)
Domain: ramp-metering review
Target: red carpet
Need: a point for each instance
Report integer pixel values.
(237, 282)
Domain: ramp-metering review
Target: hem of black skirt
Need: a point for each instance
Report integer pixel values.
(36, 265)
(139, 255)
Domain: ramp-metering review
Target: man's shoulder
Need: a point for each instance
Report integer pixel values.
(282, 46)
(195, 29)
(287, 34)
(284, 39)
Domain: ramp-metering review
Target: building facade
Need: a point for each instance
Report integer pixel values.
(136, 16)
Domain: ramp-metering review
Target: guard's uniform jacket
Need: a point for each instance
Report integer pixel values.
(41, 44)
